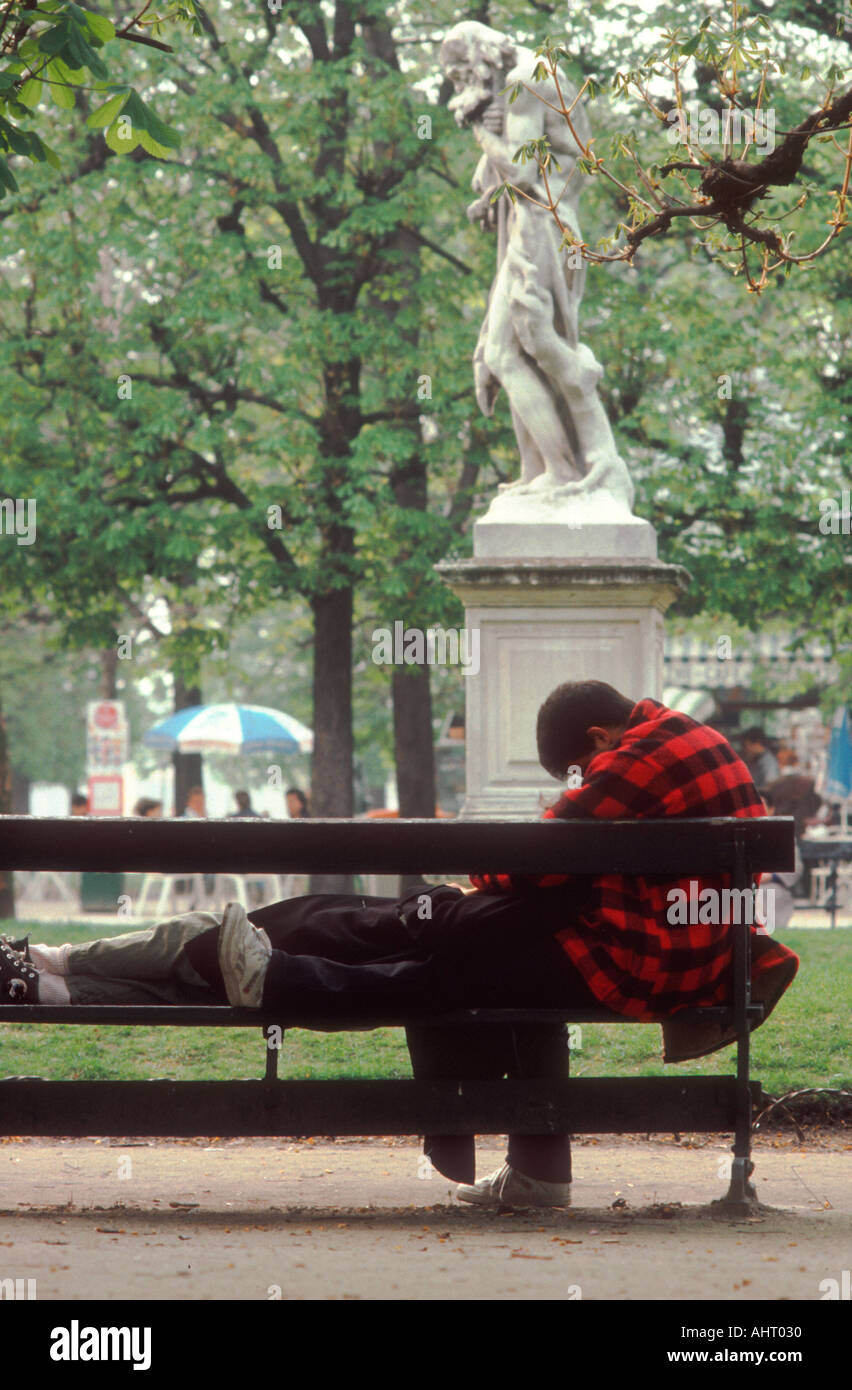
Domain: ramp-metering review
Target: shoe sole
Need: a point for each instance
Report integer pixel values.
(231, 956)
(480, 1200)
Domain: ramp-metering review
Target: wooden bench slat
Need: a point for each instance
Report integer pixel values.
(653, 1104)
(674, 847)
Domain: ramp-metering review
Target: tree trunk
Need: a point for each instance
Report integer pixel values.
(109, 671)
(413, 741)
(187, 766)
(7, 878)
(20, 794)
(414, 749)
(331, 764)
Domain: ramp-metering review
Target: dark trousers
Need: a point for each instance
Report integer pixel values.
(434, 950)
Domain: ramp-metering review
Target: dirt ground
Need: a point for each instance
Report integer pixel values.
(367, 1219)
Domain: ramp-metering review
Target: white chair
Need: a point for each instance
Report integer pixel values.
(168, 895)
(45, 885)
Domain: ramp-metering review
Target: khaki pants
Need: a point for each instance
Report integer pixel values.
(141, 967)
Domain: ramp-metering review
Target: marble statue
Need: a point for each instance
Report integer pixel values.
(529, 342)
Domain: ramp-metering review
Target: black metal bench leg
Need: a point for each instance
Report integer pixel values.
(741, 1197)
(272, 1036)
(741, 1190)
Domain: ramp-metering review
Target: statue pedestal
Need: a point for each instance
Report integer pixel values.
(596, 526)
(544, 621)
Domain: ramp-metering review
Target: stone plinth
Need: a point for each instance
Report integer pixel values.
(542, 622)
(596, 526)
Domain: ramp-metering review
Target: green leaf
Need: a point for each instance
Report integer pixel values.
(13, 138)
(53, 40)
(147, 121)
(73, 76)
(61, 93)
(106, 114)
(100, 26)
(122, 143)
(83, 53)
(51, 157)
(7, 178)
(147, 141)
(135, 110)
(162, 133)
(30, 93)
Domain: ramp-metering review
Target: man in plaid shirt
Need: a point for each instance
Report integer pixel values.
(658, 763)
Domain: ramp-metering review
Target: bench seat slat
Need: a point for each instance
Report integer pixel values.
(222, 1016)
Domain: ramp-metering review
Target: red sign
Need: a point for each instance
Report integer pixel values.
(106, 716)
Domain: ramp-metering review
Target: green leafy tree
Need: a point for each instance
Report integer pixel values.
(260, 429)
(57, 47)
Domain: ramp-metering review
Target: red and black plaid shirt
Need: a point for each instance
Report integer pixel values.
(633, 960)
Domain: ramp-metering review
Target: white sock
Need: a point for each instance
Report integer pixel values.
(52, 989)
(51, 958)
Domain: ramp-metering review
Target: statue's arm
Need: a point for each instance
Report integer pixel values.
(483, 180)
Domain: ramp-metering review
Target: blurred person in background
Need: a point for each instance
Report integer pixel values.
(297, 803)
(244, 807)
(196, 804)
(783, 886)
(758, 756)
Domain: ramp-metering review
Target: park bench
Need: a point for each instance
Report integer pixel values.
(271, 1107)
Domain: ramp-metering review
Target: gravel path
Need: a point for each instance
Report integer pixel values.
(250, 1219)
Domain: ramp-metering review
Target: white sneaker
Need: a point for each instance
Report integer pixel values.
(244, 954)
(508, 1188)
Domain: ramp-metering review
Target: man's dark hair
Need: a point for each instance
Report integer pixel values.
(755, 734)
(79, 799)
(567, 713)
(243, 800)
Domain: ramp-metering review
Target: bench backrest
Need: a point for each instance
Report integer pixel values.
(673, 847)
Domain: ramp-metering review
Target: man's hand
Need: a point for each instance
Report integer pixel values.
(462, 889)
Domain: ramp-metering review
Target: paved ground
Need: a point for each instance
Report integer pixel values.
(248, 1219)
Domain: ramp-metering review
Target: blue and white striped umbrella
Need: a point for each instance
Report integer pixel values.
(230, 728)
(838, 784)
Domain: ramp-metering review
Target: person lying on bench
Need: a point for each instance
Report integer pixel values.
(551, 941)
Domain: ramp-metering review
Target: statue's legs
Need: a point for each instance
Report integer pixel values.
(542, 440)
(532, 463)
(544, 313)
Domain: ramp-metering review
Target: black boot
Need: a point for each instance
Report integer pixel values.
(22, 945)
(18, 980)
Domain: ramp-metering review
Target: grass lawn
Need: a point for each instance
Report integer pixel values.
(807, 1042)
